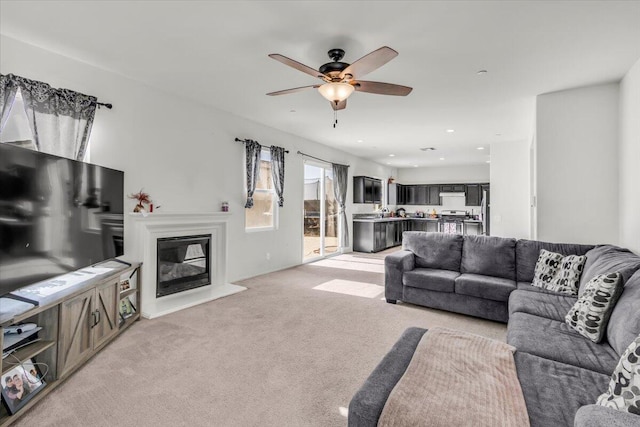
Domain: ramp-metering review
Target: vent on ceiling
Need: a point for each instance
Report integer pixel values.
(428, 149)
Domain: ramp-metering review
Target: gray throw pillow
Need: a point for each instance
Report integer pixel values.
(590, 314)
(558, 273)
(624, 388)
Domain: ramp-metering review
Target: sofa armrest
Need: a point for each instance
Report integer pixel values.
(368, 402)
(395, 265)
(601, 416)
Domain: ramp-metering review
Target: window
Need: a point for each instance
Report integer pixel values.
(263, 214)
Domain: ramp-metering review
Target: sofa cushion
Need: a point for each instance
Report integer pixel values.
(590, 314)
(608, 259)
(624, 387)
(624, 324)
(476, 285)
(434, 250)
(600, 416)
(549, 305)
(527, 252)
(527, 286)
(555, 340)
(554, 391)
(489, 256)
(431, 279)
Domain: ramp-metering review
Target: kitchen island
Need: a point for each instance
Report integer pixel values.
(374, 234)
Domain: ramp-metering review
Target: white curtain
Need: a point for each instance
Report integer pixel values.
(8, 90)
(340, 182)
(60, 119)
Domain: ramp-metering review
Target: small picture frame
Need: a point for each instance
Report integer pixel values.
(20, 384)
(125, 285)
(126, 308)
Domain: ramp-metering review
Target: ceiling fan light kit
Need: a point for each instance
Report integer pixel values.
(336, 92)
(341, 78)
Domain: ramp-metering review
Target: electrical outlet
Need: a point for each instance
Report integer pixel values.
(268, 256)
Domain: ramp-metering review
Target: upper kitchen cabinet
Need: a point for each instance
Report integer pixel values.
(452, 188)
(433, 195)
(473, 195)
(367, 190)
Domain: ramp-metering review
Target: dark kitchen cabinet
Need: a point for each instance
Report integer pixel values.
(433, 195)
(367, 190)
(452, 188)
(377, 236)
(473, 195)
(421, 194)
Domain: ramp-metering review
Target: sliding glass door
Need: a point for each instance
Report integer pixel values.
(320, 212)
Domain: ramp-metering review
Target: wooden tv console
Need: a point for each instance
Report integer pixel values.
(77, 321)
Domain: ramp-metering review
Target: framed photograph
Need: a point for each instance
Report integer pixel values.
(20, 384)
(126, 308)
(125, 285)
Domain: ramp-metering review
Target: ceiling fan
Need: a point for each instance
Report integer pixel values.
(342, 79)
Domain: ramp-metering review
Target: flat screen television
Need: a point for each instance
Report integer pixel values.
(56, 215)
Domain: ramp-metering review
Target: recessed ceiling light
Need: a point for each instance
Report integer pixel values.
(392, 155)
(488, 161)
(428, 148)
(388, 163)
(360, 140)
(441, 158)
(480, 148)
(415, 166)
(481, 72)
(450, 130)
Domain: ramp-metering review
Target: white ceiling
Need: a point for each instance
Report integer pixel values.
(216, 53)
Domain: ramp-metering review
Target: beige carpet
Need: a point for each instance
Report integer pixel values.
(279, 354)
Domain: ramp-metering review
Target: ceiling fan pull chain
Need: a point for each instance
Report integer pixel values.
(335, 118)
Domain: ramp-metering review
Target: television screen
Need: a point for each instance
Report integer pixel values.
(56, 215)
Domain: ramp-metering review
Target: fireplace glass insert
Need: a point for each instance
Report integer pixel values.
(183, 263)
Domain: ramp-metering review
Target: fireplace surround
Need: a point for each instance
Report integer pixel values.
(145, 231)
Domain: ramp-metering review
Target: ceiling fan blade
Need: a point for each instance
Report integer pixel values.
(298, 66)
(370, 62)
(341, 105)
(293, 90)
(382, 88)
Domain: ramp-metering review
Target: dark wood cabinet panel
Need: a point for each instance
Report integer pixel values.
(473, 195)
(433, 196)
(367, 190)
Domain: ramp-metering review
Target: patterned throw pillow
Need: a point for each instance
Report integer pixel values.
(558, 273)
(547, 267)
(590, 314)
(624, 388)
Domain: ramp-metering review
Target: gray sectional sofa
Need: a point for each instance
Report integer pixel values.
(561, 372)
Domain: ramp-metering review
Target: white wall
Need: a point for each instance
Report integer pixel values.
(577, 165)
(464, 174)
(629, 157)
(510, 190)
(184, 154)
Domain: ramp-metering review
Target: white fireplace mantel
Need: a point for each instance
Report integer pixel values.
(148, 228)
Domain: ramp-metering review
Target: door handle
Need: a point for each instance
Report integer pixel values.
(93, 323)
(97, 316)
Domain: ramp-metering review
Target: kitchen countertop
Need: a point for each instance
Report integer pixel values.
(390, 219)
